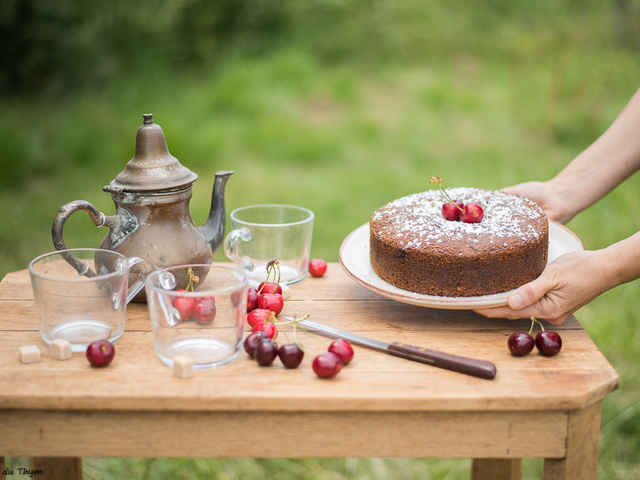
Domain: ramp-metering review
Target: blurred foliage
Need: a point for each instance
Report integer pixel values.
(58, 47)
(62, 49)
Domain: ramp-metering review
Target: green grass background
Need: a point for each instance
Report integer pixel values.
(357, 104)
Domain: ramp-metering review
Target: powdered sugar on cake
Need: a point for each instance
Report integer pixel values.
(414, 248)
(416, 220)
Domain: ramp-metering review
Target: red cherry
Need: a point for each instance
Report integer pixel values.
(266, 352)
(269, 287)
(252, 299)
(258, 315)
(473, 213)
(267, 327)
(327, 365)
(185, 306)
(291, 355)
(317, 267)
(173, 299)
(343, 349)
(204, 310)
(271, 301)
(252, 341)
(100, 353)
(520, 343)
(450, 211)
(548, 343)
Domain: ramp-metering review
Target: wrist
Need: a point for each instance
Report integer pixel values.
(621, 261)
(566, 197)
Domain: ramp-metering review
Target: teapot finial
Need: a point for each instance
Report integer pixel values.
(152, 167)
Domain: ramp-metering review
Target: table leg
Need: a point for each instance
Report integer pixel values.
(583, 443)
(52, 468)
(496, 469)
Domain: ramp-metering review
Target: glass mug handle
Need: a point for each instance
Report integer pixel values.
(231, 247)
(134, 289)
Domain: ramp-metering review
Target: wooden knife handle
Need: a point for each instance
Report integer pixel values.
(469, 366)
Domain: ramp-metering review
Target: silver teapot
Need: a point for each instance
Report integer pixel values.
(152, 219)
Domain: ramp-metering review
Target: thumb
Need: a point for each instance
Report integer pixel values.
(528, 294)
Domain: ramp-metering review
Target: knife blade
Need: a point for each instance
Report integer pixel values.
(468, 366)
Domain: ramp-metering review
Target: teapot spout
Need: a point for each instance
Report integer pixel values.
(213, 229)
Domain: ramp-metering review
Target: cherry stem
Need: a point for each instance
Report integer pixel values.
(296, 324)
(192, 278)
(271, 268)
(294, 321)
(295, 337)
(533, 322)
(443, 192)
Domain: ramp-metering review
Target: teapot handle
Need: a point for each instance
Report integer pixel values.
(98, 218)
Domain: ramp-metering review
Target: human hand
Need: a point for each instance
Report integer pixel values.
(566, 284)
(546, 197)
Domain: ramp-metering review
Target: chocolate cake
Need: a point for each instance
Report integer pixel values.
(414, 248)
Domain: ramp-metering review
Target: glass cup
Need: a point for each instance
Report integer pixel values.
(81, 294)
(204, 321)
(262, 233)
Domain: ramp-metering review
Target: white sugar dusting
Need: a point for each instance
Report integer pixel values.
(417, 219)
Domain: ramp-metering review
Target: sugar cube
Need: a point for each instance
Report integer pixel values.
(30, 354)
(183, 366)
(61, 349)
(286, 292)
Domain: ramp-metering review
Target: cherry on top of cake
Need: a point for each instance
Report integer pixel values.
(417, 219)
(455, 210)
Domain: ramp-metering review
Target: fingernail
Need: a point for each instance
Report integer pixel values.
(515, 301)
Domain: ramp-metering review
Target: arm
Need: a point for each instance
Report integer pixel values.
(572, 281)
(575, 279)
(593, 173)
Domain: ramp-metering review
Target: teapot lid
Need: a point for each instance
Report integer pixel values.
(152, 167)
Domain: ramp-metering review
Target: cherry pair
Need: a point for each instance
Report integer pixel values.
(456, 210)
(547, 343)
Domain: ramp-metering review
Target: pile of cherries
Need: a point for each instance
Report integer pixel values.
(264, 349)
(547, 343)
(455, 210)
(264, 304)
(200, 309)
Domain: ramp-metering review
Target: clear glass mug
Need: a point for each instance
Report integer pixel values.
(205, 321)
(83, 308)
(262, 233)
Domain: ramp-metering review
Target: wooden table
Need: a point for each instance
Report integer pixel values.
(59, 411)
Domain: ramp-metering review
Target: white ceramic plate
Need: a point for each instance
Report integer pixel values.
(354, 258)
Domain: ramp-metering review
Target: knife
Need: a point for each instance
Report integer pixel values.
(468, 366)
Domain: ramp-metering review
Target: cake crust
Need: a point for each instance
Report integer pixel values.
(414, 248)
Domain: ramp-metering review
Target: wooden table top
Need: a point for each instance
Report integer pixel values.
(136, 380)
